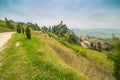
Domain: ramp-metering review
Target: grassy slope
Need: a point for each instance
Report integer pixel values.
(93, 64)
(96, 65)
(34, 59)
(3, 27)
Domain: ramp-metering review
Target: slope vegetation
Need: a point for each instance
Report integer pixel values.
(34, 59)
(4, 27)
(44, 58)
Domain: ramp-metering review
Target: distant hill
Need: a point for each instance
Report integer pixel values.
(97, 32)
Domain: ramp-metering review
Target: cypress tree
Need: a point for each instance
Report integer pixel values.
(99, 46)
(28, 32)
(18, 28)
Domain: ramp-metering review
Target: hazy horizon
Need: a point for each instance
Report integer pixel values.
(82, 14)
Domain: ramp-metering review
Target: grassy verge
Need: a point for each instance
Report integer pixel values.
(5, 29)
(34, 60)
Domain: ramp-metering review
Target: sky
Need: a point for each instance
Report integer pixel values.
(83, 14)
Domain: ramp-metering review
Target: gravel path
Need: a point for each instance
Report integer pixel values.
(4, 37)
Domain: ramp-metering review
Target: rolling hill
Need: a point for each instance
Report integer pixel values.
(45, 58)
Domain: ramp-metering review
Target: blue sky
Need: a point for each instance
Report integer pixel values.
(83, 14)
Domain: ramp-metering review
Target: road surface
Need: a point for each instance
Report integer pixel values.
(4, 37)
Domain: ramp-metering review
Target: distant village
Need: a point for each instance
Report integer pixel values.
(95, 43)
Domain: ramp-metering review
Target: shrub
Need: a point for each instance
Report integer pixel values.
(73, 38)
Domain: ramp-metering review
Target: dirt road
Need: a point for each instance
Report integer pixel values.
(4, 37)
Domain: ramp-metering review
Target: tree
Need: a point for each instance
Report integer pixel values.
(99, 46)
(18, 28)
(73, 38)
(28, 32)
(6, 19)
(49, 29)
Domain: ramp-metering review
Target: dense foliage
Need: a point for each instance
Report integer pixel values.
(116, 43)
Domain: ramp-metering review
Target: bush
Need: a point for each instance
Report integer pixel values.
(28, 32)
(73, 38)
(117, 67)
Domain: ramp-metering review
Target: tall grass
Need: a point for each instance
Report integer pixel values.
(93, 64)
(87, 62)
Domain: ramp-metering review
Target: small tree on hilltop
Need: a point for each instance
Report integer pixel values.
(28, 32)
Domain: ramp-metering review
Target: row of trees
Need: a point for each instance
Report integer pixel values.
(21, 28)
(26, 28)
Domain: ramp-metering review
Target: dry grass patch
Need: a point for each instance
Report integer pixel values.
(18, 44)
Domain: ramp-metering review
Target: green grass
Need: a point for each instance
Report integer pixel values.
(93, 67)
(34, 60)
(4, 28)
(44, 58)
(94, 56)
(96, 61)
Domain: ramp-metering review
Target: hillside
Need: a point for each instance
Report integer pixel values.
(44, 58)
(5, 28)
(29, 59)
